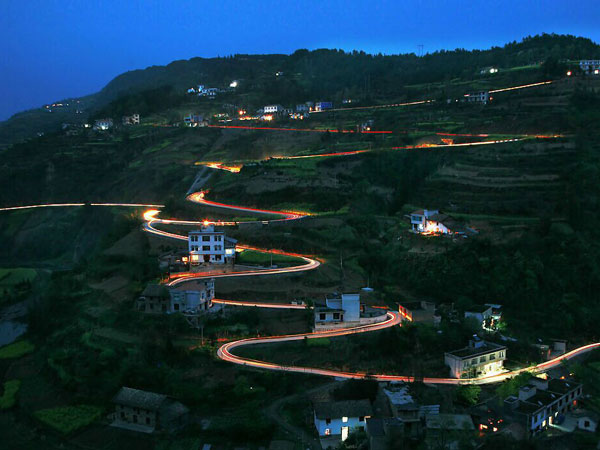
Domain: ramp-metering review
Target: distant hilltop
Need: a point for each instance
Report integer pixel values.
(324, 73)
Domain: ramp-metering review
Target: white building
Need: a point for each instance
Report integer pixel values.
(337, 419)
(590, 66)
(482, 97)
(431, 222)
(103, 124)
(273, 109)
(478, 359)
(338, 308)
(208, 246)
(541, 402)
(133, 119)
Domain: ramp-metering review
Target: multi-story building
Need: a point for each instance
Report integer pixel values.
(273, 109)
(159, 299)
(478, 359)
(590, 66)
(338, 308)
(207, 246)
(540, 402)
(478, 97)
(133, 119)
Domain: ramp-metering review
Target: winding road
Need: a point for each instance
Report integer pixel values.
(225, 352)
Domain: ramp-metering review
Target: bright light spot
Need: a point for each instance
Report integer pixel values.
(233, 84)
(206, 223)
(569, 73)
(150, 214)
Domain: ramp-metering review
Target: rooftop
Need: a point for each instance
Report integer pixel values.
(155, 290)
(469, 352)
(136, 398)
(348, 408)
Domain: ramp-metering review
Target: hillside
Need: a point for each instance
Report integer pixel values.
(324, 74)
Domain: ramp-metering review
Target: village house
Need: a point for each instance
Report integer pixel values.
(445, 430)
(337, 419)
(482, 97)
(273, 109)
(195, 120)
(478, 359)
(384, 432)
(207, 246)
(302, 107)
(481, 313)
(133, 119)
(405, 408)
(542, 402)
(103, 124)
(419, 312)
(147, 412)
(158, 299)
(323, 106)
(590, 66)
(344, 310)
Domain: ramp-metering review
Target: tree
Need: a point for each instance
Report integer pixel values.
(468, 394)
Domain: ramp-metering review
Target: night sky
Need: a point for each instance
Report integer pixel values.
(53, 49)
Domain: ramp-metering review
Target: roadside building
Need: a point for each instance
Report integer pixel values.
(337, 419)
(133, 119)
(273, 109)
(195, 120)
(193, 301)
(590, 66)
(338, 308)
(147, 412)
(103, 124)
(302, 107)
(419, 312)
(404, 408)
(207, 246)
(158, 299)
(481, 97)
(478, 359)
(543, 402)
(323, 106)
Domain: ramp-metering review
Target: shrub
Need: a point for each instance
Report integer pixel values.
(16, 349)
(9, 397)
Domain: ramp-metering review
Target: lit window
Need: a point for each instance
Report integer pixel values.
(344, 419)
(327, 431)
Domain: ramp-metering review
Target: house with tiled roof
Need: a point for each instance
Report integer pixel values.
(147, 412)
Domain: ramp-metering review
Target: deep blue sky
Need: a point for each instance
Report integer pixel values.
(53, 49)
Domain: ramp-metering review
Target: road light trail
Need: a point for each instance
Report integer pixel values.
(260, 304)
(524, 86)
(70, 205)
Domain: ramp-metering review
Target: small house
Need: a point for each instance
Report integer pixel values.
(147, 412)
(480, 313)
(419, 312)
(103, 124)
(337, 419)
(133, 119)
(323, 106)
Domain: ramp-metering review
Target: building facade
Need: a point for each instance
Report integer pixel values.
(207, 246)
(478, 359)
(273, 109)
(133, 119)
(590, 66)
(146, 412)
(323, 106)
(338, 308)
(158, 299)
(542, 401)
(419, 312)
(482, 97)
(339, 418)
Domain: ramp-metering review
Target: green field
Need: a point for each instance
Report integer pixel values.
(67, 419)
(252, 257)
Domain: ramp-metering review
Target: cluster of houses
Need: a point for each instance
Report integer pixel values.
(203, 91)
(544, 402)
(301, 111)
(590, 66)
(107, 122)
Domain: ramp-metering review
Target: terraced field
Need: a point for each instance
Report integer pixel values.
(524, 179)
